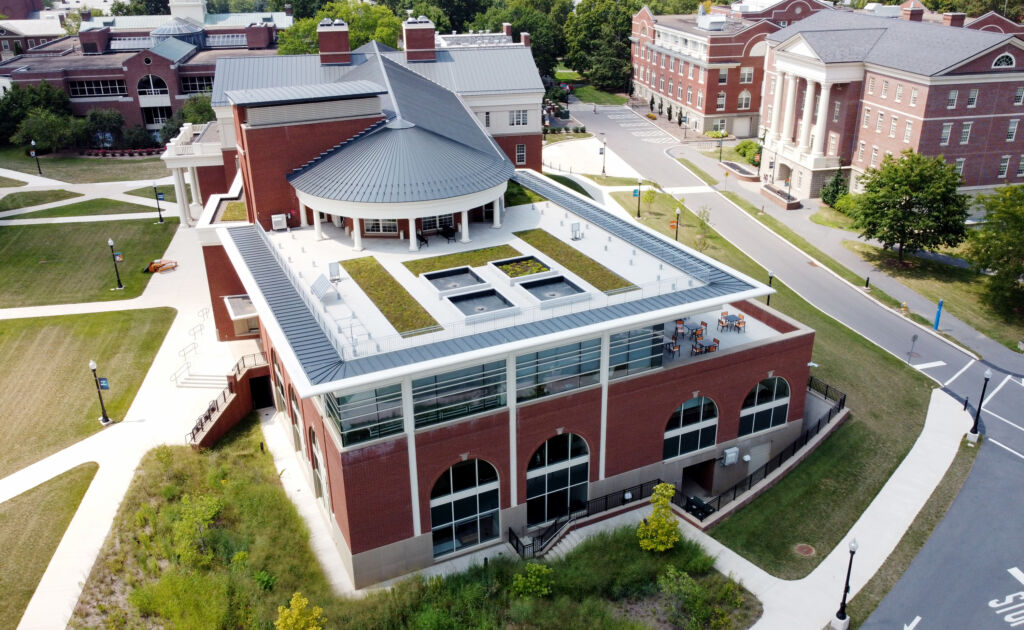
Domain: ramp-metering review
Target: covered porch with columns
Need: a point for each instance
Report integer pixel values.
(362, 220)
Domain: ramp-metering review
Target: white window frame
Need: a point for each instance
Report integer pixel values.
(947, 131)
(892, 126)
(720, 101)
(908, 131)
(723, 76)
(860, 152)
(965, 132)
(885, 89)
(743, 100)
(951, 99)
(879, 122)
(833, 140)
(958, 166)
(476, 491)
(566, 465)
(747, 75)
(899, 93)
(1013, 62)
(874, 156)
(1011, 130)
(871, 85)
(380, 226)
(913, 97)
(689, 94)
(1018, 97)
(1020, 167)
(518, 117)
(867, 117)
(1004, 166)
(697, 428)
(520, 154)
(700, 99)
(972, 98)
(835, 111)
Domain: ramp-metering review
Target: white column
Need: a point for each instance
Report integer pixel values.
(414, 245)
(181, 196)
(777, 105)
(805, 125)
(316, 225)
(817, 149)
(357, 235)
(787, 121)
(499, 209)
(409, 425)
(513, 456)
(465, 226)
(303, 221)
(193, 180)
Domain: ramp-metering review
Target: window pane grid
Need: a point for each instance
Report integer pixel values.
(635, 351)
(366, 415)
(558, 370)
(460, 393)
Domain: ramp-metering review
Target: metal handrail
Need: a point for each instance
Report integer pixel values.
(214, 408)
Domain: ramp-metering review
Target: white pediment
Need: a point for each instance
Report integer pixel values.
(799, 47)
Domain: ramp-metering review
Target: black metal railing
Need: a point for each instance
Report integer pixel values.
(541, 542)
(702, 508)
(217, 404)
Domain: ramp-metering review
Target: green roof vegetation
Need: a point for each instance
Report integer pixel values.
(593, 272)
(234, 211)
(91, 207)
(472, 258)
(393, 301)
(31, 526)
(516, 195)
(13, 201)
(568, 182)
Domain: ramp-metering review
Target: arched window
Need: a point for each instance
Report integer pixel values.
(744, 100)
(319, 470)
(296, 416)
(1004, 61)
(766, 406)
(279, 402)
(691, 427)
(556, 478)
(464, 506)
(152, 84)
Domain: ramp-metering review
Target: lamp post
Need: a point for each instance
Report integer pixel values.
(841, 615)
(159, 213)
(36, 156)
(113, 256)
(981, 401)
(719, 149)
(678, 212)
(771, 277)
(104, 419)
(604, 150)
(639, 186)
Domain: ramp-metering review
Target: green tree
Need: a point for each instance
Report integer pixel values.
(660, 531)
(534, 581)
(588, 41)
(997, 245)
(105, 127)
(20, 100)
(197, 109)
(50, 131)
(300, 8)
(530, 16)
(912, 203)
(72, 22)
(834, 189)
(191, 528)
(296, 617)
(138, 137)
(461, 12)
(140, 7)
(365, 22)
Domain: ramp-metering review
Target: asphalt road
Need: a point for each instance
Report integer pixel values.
(965, 564)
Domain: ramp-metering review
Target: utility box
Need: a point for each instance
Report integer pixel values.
(279, 221)
(730, 456)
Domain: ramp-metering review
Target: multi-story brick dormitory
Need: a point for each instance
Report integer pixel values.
(531, 395)
(844, 89)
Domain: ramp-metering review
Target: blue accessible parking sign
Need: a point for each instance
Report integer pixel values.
(636, 192)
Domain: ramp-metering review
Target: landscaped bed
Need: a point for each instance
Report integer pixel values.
(254, 553)
(90, 208)
(46, 389)
(31, 526)
(64, 263)
(523, 266)
(516, 195)
(14, 201)
(569, 183)
(82, 170)
(234, 211)
(472, 258)
(599, 276)
(393, 301)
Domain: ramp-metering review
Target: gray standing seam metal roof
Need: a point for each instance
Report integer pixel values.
(323, 364)
(173, 49)
(305, 93)
(919, 47)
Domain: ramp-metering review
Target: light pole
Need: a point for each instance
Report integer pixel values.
(719, 149)
(841, 615)
(113, 257)
(604, 150)
(981, 401)
(639, 186)
(771, 277)
(104, 419)
(678, 212)
(36, 156)
(159, 213)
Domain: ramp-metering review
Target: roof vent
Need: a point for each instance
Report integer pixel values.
(422, 19)
(325, 22)
(339, 22)
(411, 20)
(711, 22)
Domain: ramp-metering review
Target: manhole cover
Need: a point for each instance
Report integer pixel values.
(804, 549)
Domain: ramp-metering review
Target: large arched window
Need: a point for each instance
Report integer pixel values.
(296, 417)
(1004, 61)
(556, 478)
(319, 470)
(464, 506)
(691, 427)
(766, 406)
(152, 84)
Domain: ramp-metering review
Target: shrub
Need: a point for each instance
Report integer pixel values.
(191, 527)
(264, 579)
(652, 116)
(834, 189)
(583, 129)
(715, 134)
(296, 617)
(660, 532)
(847, 204)
(534, 581)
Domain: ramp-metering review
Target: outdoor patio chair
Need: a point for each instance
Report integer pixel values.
(448, 232)
(422, 240)
(722, 324)
(741, 325)
(696, 349)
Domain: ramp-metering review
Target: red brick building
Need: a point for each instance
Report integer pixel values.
(20, 9)
(880, 85)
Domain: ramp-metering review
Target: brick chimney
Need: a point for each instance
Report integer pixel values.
(418, 39)
(524, 38)
(913, 14)
(333, 39)
(954, 19)
(258, 36)
(287, 9)
(506, 28)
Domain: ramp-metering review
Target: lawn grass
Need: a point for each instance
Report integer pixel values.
(90, 207)
(234, 211)
(609, 180)
(593, 272)
(657, 213)
(46, 387)
(31, 526)
(699, 172)
(820, 500)
(832, 218)
(13, 201)
(472, 258)
(81, 170)
(551, 138)
(868, 598)
(393, 301)
(64, 263)
(516, 195)
(167, 189)
(7, 182)
(590, 94)
(565, 74)
(729, 154)
(962, 291)
(568, 182)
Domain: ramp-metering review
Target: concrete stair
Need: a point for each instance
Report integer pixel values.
(581, 533)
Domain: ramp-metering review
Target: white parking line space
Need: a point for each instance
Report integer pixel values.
(999, 417)
(962, 370)
(996, 390)
(925, 366)
(1005, 447)
(1017, 574)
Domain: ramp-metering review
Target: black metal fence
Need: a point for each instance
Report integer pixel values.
(539, 544)
(701, 509)
(217, 404)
